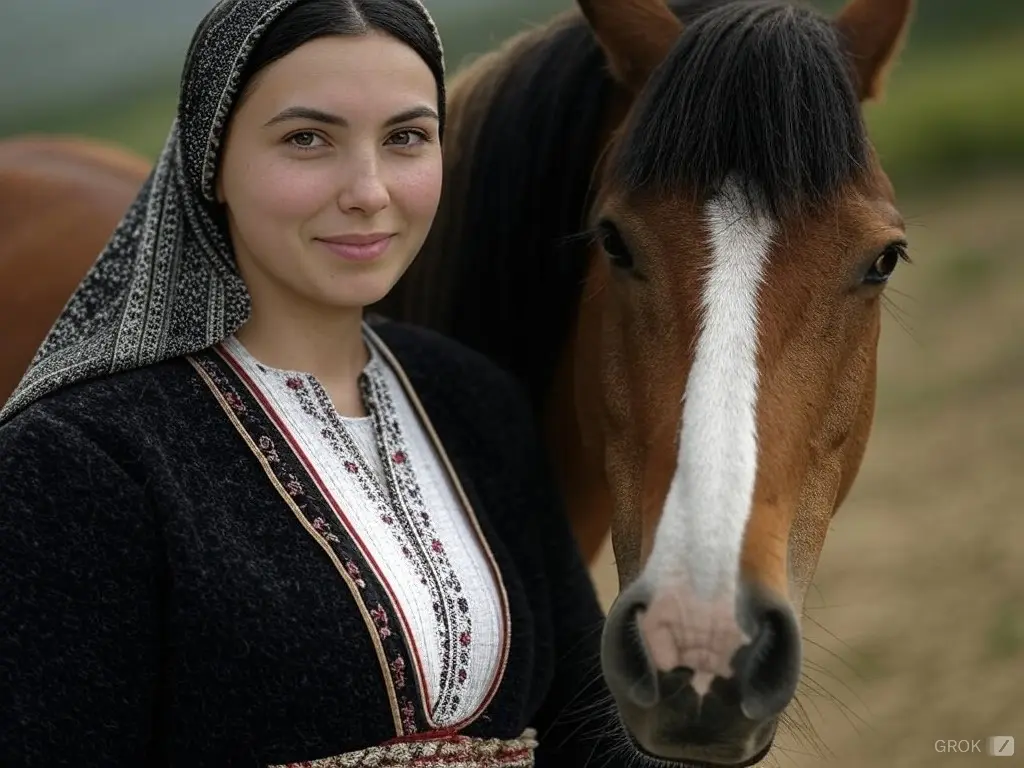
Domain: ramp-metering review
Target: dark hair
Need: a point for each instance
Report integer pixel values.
(761, 90)
(405, 20)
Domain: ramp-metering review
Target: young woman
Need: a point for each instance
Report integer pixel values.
(242, 526)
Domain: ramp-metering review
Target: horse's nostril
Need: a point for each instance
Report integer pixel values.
(627, 664)
(771, 667)
(636, 664)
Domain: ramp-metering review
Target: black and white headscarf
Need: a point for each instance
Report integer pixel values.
(166, 283)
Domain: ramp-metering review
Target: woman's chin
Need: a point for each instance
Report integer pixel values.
(358, 296)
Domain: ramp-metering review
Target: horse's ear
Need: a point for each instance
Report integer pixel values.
(636, 36)
(872, 32)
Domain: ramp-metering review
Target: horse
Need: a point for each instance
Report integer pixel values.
(60, 199)
(669, 223)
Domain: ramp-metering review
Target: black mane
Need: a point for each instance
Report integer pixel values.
(502, 272)
(760, 92)
(752, 89)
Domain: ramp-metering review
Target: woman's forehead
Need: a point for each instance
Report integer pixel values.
(371, 72)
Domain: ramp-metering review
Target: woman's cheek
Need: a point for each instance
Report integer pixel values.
(418, 188)
(295, 190)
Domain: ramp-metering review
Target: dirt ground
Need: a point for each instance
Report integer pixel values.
(915, 627)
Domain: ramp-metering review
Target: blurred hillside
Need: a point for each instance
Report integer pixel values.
(105, 54)
(955, 105)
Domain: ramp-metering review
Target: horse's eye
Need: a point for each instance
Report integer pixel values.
(885, 264)
(614, 246)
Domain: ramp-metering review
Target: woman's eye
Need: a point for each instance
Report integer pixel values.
(407, 138)
(305, 140)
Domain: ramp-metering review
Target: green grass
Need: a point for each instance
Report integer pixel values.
(969, 271)
(141, 124)
(951, 114)
(871, 661)
(1005, 636)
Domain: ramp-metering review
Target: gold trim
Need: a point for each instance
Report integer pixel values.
(370, 624)
(410, 392)
(451, 751)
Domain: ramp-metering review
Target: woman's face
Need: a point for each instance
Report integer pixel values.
(331, 172)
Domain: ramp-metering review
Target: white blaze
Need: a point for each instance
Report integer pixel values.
(700, 535)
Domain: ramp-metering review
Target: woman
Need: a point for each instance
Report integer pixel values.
(241, 526)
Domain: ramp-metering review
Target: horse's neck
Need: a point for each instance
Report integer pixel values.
(579, 462)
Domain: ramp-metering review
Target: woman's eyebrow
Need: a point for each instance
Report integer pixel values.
(320, 116)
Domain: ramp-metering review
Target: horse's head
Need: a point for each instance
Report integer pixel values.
(745, 233)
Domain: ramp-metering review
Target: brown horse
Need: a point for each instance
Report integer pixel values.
(704, 355)
(671, 226)
(60, 200)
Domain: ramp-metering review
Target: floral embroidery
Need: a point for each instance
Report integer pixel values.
(321, 527)
(353, 571)
(398, 670)
(408, 715)
(294, 487)
(428, 555)
(400, 506)
(443, 750)
(380, 617)
(267, 446)
(235, 402)
(286, 468)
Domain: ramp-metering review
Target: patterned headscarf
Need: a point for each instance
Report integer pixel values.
(166, 283)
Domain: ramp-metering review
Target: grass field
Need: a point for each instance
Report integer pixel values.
(953, 113)
(916, 621)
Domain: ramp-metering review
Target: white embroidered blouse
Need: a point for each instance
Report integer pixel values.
(390, 488)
